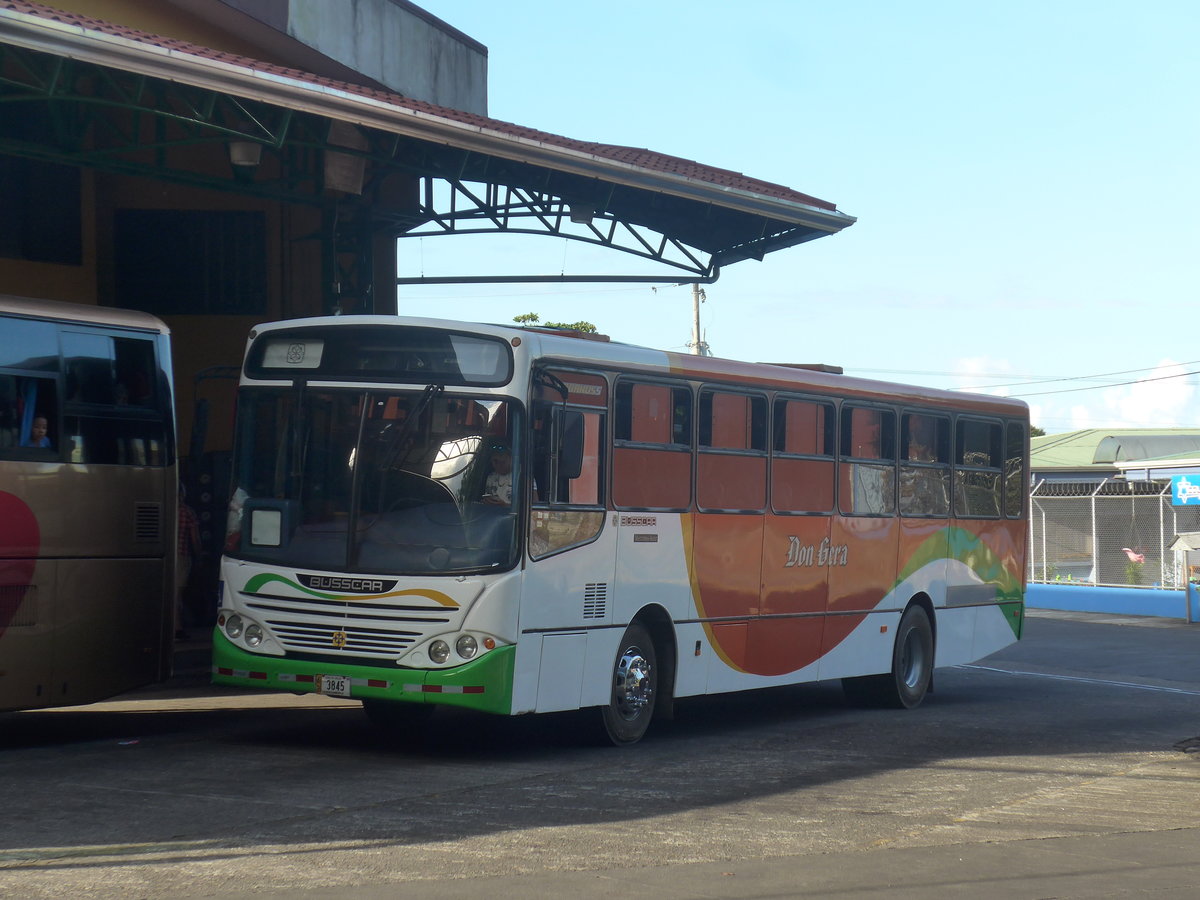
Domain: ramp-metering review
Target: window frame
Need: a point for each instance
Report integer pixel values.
(678, 387)
(942, 461)
(1022, 472)
(960, 468)
(758, 432)
(830, 441)
(889, 443)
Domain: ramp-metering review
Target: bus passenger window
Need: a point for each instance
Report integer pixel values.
(652, 458)
(653, 414)
(1015, 483)
(28, 417)
(10, 416)
(29, 345)
(135, 371)
(868, 468)
(731, 469)
(802, 464)
(925, 465)
(978, 459)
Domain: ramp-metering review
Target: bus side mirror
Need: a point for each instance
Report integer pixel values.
(570, 451)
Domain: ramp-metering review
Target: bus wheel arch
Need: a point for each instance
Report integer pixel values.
(911, 675)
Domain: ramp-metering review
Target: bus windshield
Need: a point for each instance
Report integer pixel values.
(375, 481)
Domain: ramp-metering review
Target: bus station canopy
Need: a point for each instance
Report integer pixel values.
(86, 92)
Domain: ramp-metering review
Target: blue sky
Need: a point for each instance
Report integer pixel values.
(1024, 177)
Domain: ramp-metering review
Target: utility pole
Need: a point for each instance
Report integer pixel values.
(697, 344)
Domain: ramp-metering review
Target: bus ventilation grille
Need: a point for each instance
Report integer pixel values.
(147, 522)
(595, 601)
(18, 605)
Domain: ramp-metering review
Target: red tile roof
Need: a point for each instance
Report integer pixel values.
(640, 158)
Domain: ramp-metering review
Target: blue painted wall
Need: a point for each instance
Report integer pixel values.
(1114, 600)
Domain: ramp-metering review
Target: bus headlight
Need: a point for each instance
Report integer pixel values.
(439, 651)
(466, 646)
(234, 625)
(254, 635)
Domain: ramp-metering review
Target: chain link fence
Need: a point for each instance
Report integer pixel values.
(1114, 532)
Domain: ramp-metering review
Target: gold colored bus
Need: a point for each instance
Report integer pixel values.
(88, 502)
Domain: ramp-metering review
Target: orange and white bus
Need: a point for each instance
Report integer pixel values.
(435, 513)
(87, 502)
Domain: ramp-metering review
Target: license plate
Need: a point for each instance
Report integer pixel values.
(333, 685)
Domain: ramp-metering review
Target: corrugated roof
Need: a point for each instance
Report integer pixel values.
(640, 158)
(1095, 449)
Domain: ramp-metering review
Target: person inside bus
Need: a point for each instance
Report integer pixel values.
(497, 489)
(39, 433)
(920, 440)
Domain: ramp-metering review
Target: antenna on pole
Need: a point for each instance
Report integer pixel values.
(697, 344)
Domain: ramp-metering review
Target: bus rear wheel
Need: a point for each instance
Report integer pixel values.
(634, 688)
(906, 685)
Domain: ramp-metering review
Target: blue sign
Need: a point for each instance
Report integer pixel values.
(1185, 490)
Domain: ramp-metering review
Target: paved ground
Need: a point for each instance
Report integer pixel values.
(1058, 768)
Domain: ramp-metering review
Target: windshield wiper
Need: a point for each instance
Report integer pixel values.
(395, 444)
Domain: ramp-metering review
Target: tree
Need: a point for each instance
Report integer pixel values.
(530, 319)
(1034, 431)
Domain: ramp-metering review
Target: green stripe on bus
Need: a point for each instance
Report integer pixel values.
(967, 548)
(484, 684)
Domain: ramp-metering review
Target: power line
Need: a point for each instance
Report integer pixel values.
(1048, 380)
(1033, 379)
(1102, 386)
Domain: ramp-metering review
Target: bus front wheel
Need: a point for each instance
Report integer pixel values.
(634, 687)
(905, 686)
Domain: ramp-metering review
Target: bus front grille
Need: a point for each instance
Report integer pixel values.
(375, 643)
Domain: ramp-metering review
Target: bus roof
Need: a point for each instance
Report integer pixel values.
(575, 350)
(83, 313)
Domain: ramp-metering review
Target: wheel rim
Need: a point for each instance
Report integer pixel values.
(913, 659)
(632, 688)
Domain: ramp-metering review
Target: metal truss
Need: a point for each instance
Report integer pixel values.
(451, 207)
(63, 110)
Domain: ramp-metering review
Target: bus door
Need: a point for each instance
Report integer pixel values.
(569, 577)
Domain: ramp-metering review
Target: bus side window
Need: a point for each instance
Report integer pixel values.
(1016, 485)
(802, 463)
(979, 462)
(10, 417)
(925, 465)
(868, 466)
(111, 414)
(586, 487)
(553, 526)
(652, 446)
(28, 417)
(731, 468)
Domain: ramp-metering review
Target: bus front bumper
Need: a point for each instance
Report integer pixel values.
(484, 684)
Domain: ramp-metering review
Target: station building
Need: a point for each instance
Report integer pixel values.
(220, 163)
